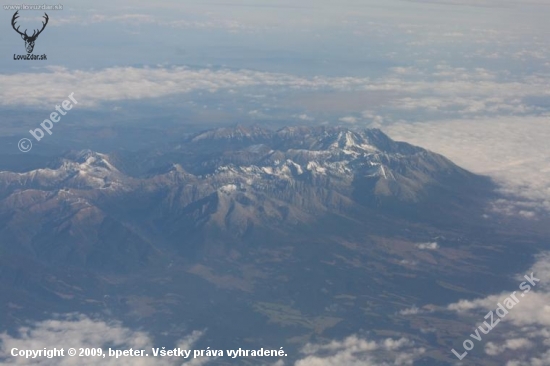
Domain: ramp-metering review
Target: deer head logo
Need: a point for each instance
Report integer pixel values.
(29, 40)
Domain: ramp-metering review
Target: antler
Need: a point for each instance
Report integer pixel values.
(15, 16)
(34, 35)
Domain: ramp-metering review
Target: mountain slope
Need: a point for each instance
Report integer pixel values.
(292, 177)
(265, 238)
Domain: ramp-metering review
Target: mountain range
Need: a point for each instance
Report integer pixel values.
(262, 237)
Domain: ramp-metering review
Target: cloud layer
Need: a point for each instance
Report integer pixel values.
(129, 83)
(514, 151)
(521, 337)
(445, 90)
(356, 351)
(80, 331)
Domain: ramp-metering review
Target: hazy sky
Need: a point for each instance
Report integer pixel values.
(446, 74)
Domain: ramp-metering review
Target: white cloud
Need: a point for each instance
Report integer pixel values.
(428, 246)
(50, 87)
(410, 311)
(494, 349)
(348, 119)
(542, 269)
(525, 329)
(355, 351)
(305, 117)
(79, 331)
(406, 71)
(514, 151)
(453, 90)
(466, 105)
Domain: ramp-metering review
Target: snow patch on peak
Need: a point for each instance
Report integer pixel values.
(316, 168)
(228, 189)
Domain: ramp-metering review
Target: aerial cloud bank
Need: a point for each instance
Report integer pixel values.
(130, 83)
(522, 338)
(514, 151)
(446, 91)
(80, 331)
(356, 351)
